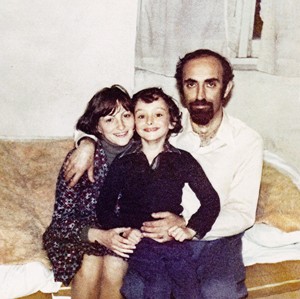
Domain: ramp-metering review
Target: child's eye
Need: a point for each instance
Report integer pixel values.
(159, 114)
(141, 116)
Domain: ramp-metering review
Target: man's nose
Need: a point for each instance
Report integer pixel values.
(200, 93)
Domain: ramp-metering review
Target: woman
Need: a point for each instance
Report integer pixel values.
(76, 245)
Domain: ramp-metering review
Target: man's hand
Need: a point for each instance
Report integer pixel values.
(158, 229)
(113, 240)
(82, 159)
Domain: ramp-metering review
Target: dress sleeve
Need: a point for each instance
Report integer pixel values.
(206, 215)
(67, 225)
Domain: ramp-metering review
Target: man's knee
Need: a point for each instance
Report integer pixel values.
(222, 289)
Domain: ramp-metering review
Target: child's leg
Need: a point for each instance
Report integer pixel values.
(86, 282)
(182, 270)
(114, 270)
(146, 277)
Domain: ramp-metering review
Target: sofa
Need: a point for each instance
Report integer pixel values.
(28, 172)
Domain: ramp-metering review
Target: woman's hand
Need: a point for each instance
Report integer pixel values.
(181, 233)
(113, 240)
(158, 229)
(82, 159)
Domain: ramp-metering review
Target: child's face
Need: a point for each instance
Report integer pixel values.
(152, 120)
(118, 127)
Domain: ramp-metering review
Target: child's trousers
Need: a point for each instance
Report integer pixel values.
(162, 269)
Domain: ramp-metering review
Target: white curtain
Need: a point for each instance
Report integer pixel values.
(280, 42)
(167, 29)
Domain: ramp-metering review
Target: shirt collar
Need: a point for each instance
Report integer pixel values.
(189, 139)
(136, 148)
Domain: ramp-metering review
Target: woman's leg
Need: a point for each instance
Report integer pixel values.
(86, 282)
(114, 270)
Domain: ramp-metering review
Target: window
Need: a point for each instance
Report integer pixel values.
(248, 13)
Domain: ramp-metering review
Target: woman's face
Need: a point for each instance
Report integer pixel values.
(117, 128)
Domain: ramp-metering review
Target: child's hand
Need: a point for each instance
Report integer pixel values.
(181, 233)
(133, 235)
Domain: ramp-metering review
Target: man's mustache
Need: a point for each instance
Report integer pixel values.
(202, 102)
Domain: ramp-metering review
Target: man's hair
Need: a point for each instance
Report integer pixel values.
(104, 102)
(227, 69)
(152, 94)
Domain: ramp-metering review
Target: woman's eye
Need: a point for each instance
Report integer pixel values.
(109, 120)
(127, 115)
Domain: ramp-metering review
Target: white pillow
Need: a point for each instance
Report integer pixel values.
(22, 280)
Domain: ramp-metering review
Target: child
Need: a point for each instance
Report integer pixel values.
(147, 178)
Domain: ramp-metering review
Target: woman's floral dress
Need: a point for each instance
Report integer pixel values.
(74, 211)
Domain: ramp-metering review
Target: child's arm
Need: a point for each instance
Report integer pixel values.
(109, 195)
(204, 218)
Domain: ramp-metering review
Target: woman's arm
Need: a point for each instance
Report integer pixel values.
(66, 224)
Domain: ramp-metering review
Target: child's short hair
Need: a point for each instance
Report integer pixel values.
(152, 94)
(104, 102)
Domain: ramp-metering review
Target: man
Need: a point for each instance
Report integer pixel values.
(231, 155)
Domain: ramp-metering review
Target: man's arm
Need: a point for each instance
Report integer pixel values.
(239, 209)
(81, 160)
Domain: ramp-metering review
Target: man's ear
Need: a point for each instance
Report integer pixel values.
(228, 89)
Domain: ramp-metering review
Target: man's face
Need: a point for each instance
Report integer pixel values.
(202, 89)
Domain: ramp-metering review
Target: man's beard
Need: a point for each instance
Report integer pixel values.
(201, 116)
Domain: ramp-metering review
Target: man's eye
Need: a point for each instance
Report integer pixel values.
(190, 84)
(211, 84)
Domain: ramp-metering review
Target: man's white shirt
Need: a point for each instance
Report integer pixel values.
(233, 163)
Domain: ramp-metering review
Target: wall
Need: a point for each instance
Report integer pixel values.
(55, 55)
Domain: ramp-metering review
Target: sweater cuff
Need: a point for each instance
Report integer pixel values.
(84, 234)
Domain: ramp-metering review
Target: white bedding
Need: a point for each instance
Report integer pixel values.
(266, 244)
(22, 280)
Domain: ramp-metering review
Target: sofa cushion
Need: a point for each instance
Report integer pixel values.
(28, 172)
(279, 200)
